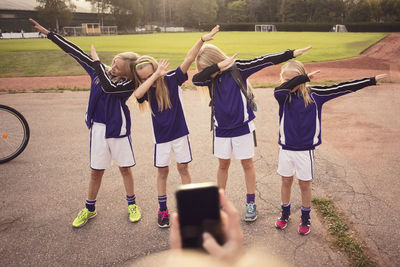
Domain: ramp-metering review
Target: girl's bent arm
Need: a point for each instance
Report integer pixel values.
(110, 86)
(282, 91)
(145, 86)
(191, 55)
(203, 78)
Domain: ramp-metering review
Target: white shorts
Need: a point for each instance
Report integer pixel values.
(180, 147)
(104, 150)
(242, 147)
(300, 163)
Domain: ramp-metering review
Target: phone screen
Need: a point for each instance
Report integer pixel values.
(198, 209)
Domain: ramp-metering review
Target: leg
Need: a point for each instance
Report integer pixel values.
(250, 178)
(163, 215)
(286, 189)
(249, 175)
(183, 170)
(94, 184)
(127, 176)
(162, 174)
(222, 174)
(305, 187)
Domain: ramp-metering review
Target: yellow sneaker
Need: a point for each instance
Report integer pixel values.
(134, 213)
(83, 216)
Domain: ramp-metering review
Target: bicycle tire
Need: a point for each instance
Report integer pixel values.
(26, 134)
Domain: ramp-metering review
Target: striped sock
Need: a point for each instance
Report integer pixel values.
(162, 201)
(305, 213)
(90, 204)
(286, 208)
(131, 199)
(251, 198)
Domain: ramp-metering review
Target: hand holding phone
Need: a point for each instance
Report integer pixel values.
(198, 209)
(232, 233)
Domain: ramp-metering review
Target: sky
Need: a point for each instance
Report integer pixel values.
(81, 5)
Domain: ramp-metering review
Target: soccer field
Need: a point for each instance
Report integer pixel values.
(40, 57)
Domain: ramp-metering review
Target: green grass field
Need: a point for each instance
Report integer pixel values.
(40, 57)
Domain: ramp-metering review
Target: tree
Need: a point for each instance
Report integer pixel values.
(357, 11)
(193, 13)
(127, 13)
(238, 11)
(54, 13)
(103, 7)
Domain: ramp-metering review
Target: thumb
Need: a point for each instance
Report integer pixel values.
(211, 245)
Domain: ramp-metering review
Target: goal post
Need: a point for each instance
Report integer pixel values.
(90, 29)
(265, 28)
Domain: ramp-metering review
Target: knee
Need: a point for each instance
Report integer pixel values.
(183, 169)
(125, 171)
(287, 181)
(224, 164)
(247, 164)
(304, 185)
(163, 172)
(96, 175)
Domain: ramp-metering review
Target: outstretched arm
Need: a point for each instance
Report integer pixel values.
(191, 55)
(84, 59)
(326, 93)
(248, 67)
(145, 86)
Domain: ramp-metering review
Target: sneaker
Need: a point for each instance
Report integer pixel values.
(134, 213)
(304, 226)
(282, 221)
(83, 216)
(163, 218)
(251, 212)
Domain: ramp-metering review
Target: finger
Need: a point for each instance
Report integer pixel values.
(33, 21)
(175, 241)
(234, 56)
(216, 29)
(211, 246)
(307, 48)
(381, 76)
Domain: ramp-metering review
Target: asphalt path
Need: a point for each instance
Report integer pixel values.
(43, 189)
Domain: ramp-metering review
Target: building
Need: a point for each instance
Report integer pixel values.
(14, 15)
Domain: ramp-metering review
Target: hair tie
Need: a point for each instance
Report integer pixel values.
(142, 63)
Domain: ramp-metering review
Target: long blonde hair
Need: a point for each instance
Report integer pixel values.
(162, 93)
(209, 55)
(129, 59)
(297, 67)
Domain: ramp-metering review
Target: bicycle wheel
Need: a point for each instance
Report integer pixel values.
(14, 133)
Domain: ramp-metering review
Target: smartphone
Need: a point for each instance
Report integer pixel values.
(199, 212)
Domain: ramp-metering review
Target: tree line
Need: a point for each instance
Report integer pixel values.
(128, 14)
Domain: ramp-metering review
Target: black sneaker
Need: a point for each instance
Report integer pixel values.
(163, 218)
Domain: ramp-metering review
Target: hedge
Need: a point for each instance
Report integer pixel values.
(309, 27)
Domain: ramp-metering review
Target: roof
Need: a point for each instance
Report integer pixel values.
(81, 5)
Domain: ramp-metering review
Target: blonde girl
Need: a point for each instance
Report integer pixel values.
(300, 108)
(231, 114)
(161, 89)
(108, 119)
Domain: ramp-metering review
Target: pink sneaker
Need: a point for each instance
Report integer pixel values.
(304, 228)
(163, 218)
(282, 221)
